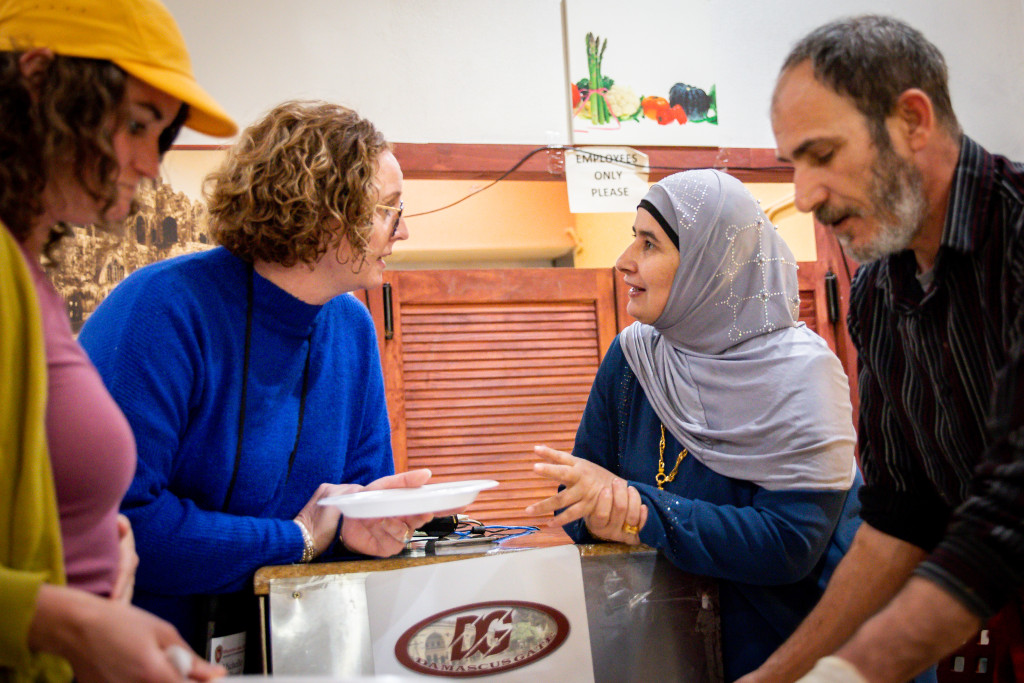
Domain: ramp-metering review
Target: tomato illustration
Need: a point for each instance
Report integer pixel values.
(651, 105)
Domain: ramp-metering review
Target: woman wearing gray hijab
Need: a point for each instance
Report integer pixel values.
(719, 428)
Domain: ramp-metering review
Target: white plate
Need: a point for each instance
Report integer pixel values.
(398, 502)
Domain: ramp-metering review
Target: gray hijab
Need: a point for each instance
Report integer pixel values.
(746, 388)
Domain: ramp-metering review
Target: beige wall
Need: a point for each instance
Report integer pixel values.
(604, 236)
(512, 224)
(522, 221)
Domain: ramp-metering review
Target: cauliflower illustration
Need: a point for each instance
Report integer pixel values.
(622, 101)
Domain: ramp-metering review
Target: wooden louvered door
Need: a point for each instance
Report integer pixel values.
(814, 300)
(484, 364)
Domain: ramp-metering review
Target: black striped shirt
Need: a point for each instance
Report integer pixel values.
(927, 372)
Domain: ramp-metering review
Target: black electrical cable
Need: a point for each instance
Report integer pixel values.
(675, 168)
(489, 185)
(562, 148)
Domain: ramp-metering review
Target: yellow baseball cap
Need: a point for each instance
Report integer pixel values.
(140, 36)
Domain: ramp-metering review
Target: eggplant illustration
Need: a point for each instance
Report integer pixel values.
(698, 104)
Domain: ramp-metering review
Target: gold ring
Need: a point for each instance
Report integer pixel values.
(630, 529)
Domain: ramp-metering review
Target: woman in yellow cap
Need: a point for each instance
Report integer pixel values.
(91, 96)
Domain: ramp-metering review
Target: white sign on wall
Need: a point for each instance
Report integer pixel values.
(605, 179)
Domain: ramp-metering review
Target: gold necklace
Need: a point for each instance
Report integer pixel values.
(661, 479)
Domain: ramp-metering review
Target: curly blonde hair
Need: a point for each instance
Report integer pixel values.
(296, 183)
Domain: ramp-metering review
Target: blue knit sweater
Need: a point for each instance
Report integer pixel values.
(169, 342)
(772, 551)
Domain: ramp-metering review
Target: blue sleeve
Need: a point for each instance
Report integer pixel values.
(146, 344)
(777, 537)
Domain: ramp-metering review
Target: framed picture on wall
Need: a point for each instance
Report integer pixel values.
(643, 74)
(170, 220)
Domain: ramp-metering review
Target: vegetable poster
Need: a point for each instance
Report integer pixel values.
(641, 73)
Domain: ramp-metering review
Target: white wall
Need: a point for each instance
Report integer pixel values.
(421, 70)
(982, 41)
(493, 71)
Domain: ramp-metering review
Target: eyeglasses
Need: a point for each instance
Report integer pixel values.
(398, 213)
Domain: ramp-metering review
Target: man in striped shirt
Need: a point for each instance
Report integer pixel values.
(862, 110)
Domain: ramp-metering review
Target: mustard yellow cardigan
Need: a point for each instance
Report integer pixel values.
(30, 545)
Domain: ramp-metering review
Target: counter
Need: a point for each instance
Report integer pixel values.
(646, 620)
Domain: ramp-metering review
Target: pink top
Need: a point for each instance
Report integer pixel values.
(91, 448)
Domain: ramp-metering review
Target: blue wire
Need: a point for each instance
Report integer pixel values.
(522, 531)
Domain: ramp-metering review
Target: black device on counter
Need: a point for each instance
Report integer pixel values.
(439, 527)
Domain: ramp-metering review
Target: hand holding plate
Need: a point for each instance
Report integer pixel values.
(380, 518)
(386, 536)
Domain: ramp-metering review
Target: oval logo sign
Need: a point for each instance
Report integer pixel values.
(482, 639)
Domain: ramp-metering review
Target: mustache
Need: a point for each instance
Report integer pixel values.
(826, 214)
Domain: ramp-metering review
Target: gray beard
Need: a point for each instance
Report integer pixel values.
(897, 195)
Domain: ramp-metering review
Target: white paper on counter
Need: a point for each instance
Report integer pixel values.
(400, 599)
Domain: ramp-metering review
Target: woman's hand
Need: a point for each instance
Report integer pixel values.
(387, 536)
(583, 481)
(322, 520)
(107, 641)
(128, 561)
(618, 515)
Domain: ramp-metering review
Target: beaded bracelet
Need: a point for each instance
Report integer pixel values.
(309, 548)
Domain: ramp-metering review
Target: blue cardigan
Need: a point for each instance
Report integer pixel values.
(169, 342)
(772, 551)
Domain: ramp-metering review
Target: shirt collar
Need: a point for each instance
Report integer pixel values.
(970, 180)
(897, 273)
(272, 306)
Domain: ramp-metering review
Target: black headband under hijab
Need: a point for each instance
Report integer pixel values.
(670, 231)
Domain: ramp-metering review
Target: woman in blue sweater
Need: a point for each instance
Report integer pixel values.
(250, 378)
(719, 428)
